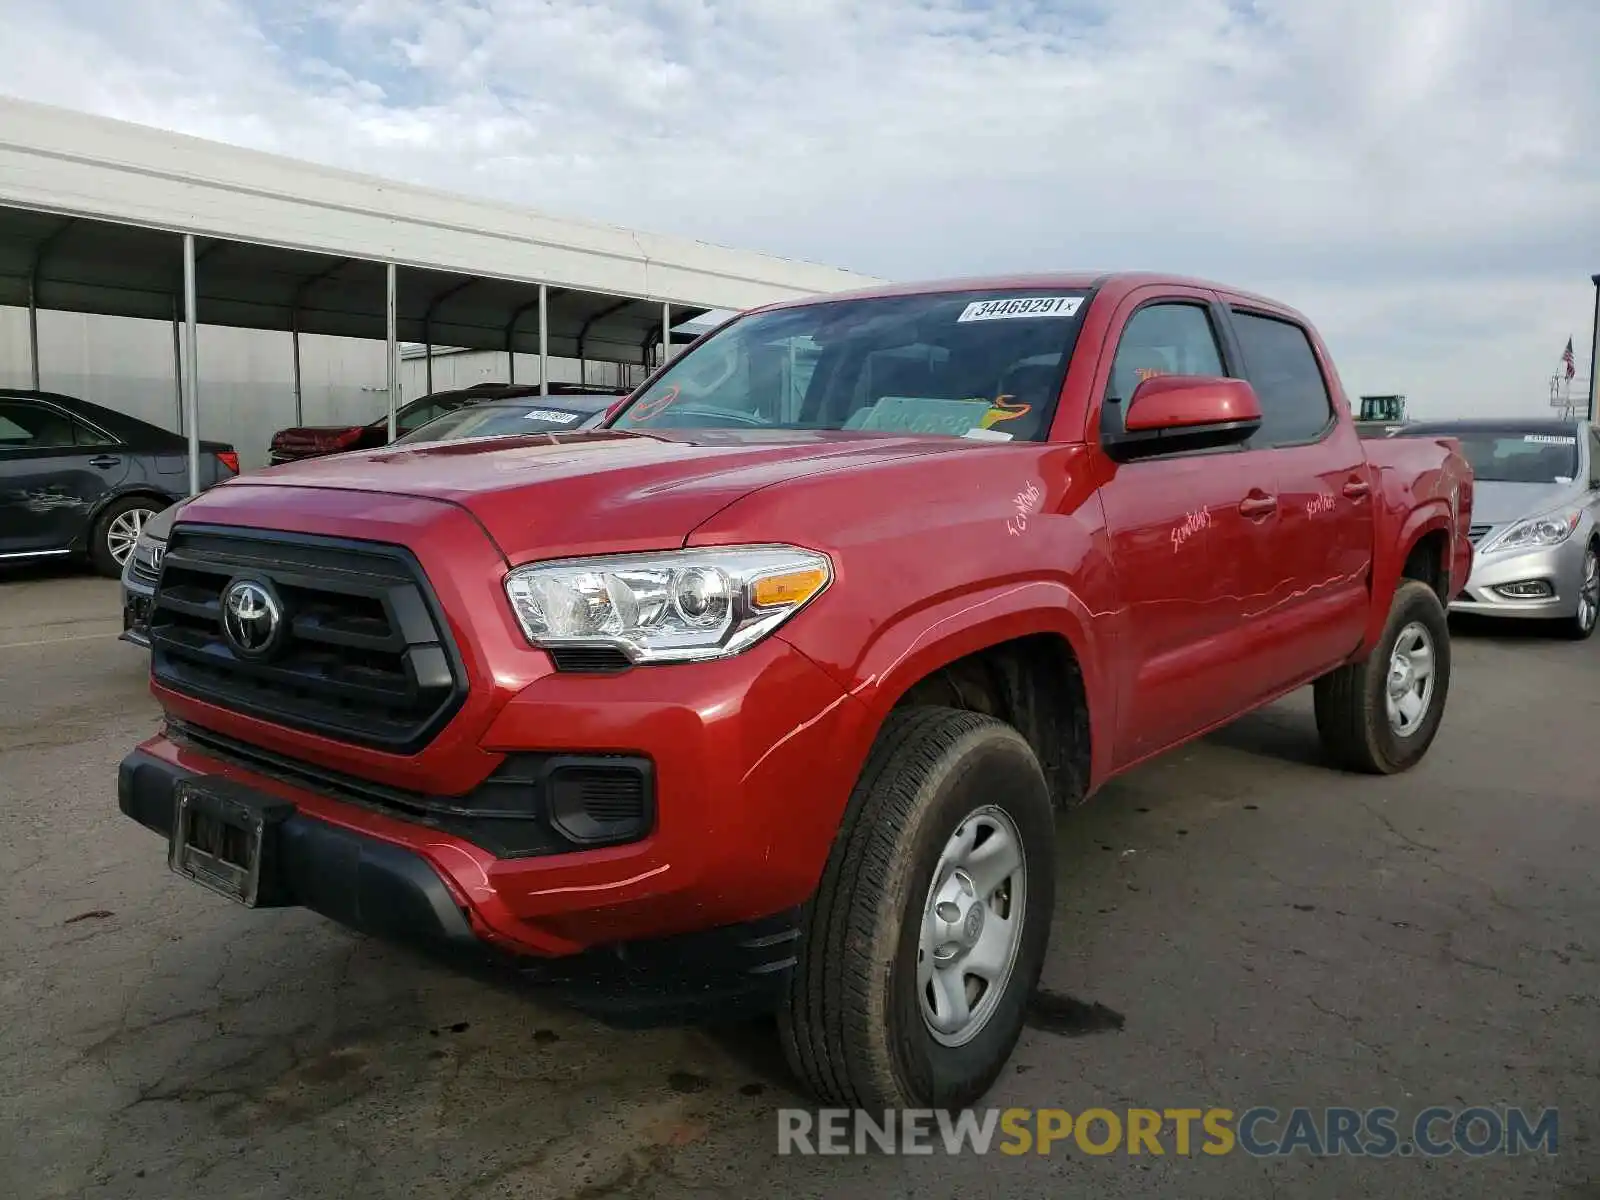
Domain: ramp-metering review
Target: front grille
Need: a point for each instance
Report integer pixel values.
(363, 656)
(144, 571)
(1475, 533)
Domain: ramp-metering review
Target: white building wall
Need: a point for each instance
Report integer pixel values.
(246, 376)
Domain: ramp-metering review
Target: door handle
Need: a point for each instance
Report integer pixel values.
(1258, 506)
(1357, 488)
(104, 460)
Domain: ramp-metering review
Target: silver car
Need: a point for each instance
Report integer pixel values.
(1535, 518)
(140, 571)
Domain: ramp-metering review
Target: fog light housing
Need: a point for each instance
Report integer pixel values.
(600, 801)
(1526, 589)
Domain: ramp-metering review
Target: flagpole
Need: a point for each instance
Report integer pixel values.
(1594, 355)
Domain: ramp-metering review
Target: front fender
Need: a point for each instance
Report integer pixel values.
(919, 642)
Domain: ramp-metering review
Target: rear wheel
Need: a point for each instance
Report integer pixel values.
(1380, 715)
(1582, 623)
(114, 534)
(928, 931)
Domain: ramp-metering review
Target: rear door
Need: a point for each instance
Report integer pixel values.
(1190, 533)
(54, 469)
(1315, 613)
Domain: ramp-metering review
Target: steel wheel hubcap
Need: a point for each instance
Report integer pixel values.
(971, 926)
(124, 531)
(1410, 688)
(1589, 593)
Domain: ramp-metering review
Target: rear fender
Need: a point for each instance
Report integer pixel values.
(1434, 515)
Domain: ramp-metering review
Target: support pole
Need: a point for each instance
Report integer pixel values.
(428, 365)
(191, 376)
(544, 340)
(177, 363)
(393, 357)
(299, 390)
(33, 331)
(666, 332)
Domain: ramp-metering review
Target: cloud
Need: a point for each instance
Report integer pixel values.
(1422, 179)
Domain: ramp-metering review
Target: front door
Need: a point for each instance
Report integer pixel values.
(1191, 534)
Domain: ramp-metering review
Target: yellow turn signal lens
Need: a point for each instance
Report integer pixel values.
(789, 589)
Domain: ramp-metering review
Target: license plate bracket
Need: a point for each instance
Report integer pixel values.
(224, 837)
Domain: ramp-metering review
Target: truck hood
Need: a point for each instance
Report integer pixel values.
(1495, 503)
(554, 495)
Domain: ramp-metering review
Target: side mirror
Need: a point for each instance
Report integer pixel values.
(1171, 413)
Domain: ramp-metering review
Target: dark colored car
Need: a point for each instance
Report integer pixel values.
(314, 441)
(79, 479)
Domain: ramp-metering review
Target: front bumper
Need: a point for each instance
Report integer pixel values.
(394, 892)
(752, 760)
(1558, 568)
(136, 595)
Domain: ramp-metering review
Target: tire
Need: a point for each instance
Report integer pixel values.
(1353, 715)
(1581, 625)
(110, 542)
(852, 1021)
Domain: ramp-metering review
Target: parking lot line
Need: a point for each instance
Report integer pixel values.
(77, 637)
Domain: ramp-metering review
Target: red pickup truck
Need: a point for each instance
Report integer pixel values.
(768, 691)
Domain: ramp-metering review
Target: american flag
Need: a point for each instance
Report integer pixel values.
(1566, 359)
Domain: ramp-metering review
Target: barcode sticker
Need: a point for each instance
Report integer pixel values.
(1011, 308)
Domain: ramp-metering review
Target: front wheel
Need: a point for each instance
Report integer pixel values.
(928, 931)
(1380, 715)
(1581, 624)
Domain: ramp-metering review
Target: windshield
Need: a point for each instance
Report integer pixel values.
(1517, 455)
(975, 364)
(497, 420)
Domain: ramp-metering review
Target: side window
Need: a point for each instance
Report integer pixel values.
(25, 426)
(1594, 457)
(84, 435)
(416, 418)
(1282, 367)
(1164, 339)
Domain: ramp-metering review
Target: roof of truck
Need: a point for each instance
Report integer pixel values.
(1072, 281)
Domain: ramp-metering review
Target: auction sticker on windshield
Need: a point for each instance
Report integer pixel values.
(1008, 308)
(1551, 439)
(549, 414)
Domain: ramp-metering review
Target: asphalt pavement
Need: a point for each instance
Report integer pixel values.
(1238, 926)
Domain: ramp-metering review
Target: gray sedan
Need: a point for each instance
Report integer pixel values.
(1535, 518)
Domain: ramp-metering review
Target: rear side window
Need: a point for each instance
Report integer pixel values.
(1282, 367)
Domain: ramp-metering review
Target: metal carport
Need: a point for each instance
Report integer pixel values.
(108, 217)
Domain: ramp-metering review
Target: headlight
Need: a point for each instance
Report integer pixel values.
(1549, 530)
(677, 606)
(147, 553)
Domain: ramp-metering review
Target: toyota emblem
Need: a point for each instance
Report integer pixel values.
(251, 618)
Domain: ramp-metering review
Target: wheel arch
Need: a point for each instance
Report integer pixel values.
(1024, 654)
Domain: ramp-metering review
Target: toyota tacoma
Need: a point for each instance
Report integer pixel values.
(767, 691)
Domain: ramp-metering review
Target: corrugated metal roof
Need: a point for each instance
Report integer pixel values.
(89, 208)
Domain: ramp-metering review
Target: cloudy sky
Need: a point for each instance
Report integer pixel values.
(1422, 178)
